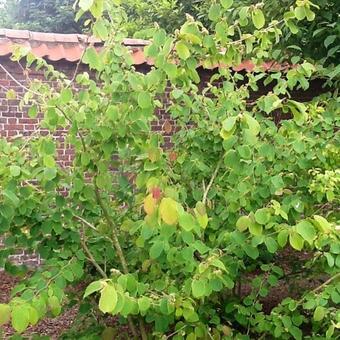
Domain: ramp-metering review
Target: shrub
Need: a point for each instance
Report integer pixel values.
(188, 242)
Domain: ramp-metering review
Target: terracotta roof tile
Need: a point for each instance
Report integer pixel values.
(70, 47)
(56, 46)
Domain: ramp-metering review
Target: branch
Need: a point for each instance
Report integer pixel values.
(109, 221)
(18, 82)
(78, 63)
(315, 290)
(91, 226)
(204, 200)
(91, 257)
(70, 121)
(119, 253)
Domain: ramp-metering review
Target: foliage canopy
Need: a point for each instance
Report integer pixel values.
(316, 38)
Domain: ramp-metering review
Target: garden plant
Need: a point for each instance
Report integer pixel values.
(187, 242)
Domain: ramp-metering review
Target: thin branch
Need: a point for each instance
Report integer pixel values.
(174, 333)
(32, 135)
(18, 82)
(113, 228)
(315, 290)
(205, 195)
(91, 226)
(119, 250)
(78, 63)
(7, 89)
(71, 122)
(91, 257)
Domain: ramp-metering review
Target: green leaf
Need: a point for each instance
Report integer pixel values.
(282, 238)
(243, 223)
(187, 221)
(330, 259)
(296, 332)
(330, 331)
(20, 318)
(34, 316)
(156, 249)
(100, 29)
(49, 161)
(54, 305)
(97, 8)
(198, 288)
(190, 315)
(319, 313)
(5, 314)
(14, 170)
(227, 3)
(229, 123)
(182, 50)
(85, 5)
(65, 95)
(252, 123)
(335, 296)
(144, 100)
(68, 275)
(144, 304)
(108, 299)
(50, 173)
(112, 113)
(258, 18)
(300, 12)
(307, 231)
(251, 251)
(262, 216)
(322, 223)
(218, 264)
(296, 241)
(337, 261)
(91, 58)
(11, 196)
(271, 244)
(244, 151)
(32, 111)
(255, 229)
(214, 12)
(329, 40)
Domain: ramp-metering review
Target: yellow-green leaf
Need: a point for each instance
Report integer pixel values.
(307, 231)
(85, 4)
(100, 29)
(296, 241)
(149, 204)
(108, 299)
(54, 305)
(214, 12)
(20, 318)
(319, 313)
(11, 94)
(258, 18)
(5, 314)
(168, 211)
(243, 223)
(198, 288)
(227, 3)
(182, 50)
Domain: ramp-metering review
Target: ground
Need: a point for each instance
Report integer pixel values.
(49, 327)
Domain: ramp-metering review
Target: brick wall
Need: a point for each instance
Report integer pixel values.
(14, 122)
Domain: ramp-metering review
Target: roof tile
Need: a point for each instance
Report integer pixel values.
(57, 46)
(70, 47)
